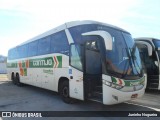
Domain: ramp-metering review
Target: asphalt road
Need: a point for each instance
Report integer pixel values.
(29, 98)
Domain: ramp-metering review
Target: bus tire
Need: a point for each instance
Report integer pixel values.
(18, 83)
(13, 79)
(64, 92)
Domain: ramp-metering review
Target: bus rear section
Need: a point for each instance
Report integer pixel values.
(150, 54)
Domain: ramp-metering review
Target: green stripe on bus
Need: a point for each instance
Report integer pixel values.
(47, 62)
(113, 79)
(12, 65)
(129, 82)
(59, 58)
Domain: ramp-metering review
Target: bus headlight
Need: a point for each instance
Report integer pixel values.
(118, 87)
(110, 84)
(107, 83)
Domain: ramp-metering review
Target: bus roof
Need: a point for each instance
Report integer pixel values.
(145, 38)
(76, 23)
(68, 25)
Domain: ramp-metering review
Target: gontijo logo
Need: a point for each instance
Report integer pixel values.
(48, 62)
(45, 62)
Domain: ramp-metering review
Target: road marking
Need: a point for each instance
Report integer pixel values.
(156, 109)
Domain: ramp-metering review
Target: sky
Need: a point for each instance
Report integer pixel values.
(21, 20)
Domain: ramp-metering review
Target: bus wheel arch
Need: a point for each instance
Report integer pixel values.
(63, 89)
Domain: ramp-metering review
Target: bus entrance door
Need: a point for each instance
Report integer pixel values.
(93, 71)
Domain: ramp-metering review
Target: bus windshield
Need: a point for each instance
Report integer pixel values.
(124, 59)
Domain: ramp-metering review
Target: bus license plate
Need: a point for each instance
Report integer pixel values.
(134, 96)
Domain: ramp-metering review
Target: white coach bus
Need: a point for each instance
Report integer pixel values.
(85, 60)
(150, 55)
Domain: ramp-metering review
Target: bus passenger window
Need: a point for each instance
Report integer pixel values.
(59, 43)
(44, 46)
(32, 48)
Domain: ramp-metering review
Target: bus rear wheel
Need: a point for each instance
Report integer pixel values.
(13, 78)
(64, 92)
(18, 83)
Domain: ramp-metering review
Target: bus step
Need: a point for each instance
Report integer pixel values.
(154, 80)
(97, 94)
(153, 76)
(98, 89)
(96, 100)
(153, 85)
(152, 88)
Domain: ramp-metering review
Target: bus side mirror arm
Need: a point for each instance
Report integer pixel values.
(105, 35)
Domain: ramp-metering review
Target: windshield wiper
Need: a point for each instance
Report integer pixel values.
(132, 54)
(125, 72)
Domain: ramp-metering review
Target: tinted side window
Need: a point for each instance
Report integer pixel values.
(44, 46)
(59, 43)
(22, 51)
(32, 48)
(12, 54)
(15, 54)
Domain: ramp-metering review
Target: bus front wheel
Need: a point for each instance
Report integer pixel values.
(64, 92)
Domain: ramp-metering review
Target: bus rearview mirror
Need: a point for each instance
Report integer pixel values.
(156, 63)
(149, 47)
(105, 35)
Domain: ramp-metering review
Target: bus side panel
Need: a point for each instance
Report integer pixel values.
(36, 78)
(47, 76)
(50, 76)
(60, 72)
